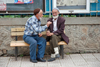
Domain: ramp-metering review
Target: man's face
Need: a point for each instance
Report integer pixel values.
(41, 14)
(55, 12)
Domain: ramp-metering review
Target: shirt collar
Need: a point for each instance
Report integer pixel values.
(36, 18)
(54, 20)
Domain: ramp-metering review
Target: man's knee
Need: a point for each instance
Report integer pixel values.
(53, 36)
(42, 39)
(34, 43)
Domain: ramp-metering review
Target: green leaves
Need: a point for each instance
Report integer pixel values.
(16, 16)
(27, 16)
(21, 55)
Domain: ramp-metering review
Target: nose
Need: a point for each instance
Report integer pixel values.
(54, 14)
(42, 15)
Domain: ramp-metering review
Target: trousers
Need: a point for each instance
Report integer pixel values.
(33, 41)
(54, 39)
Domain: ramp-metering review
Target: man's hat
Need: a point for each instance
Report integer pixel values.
(36, 11)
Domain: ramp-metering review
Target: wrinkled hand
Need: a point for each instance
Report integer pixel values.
(48, 33)
(48, 23)
(40, 35)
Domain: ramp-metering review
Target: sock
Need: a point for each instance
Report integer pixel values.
(56, 50)
(52, 55)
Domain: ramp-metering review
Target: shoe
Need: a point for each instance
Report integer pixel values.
(41, 60)
(57, 55)
(51, 59)
(34, 61)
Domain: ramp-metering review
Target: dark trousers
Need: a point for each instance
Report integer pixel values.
(54, 39)
(34, 41)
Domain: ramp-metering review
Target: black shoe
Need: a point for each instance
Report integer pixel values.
(34, 61)
(51, 59)
(41, 60)
(57, 55)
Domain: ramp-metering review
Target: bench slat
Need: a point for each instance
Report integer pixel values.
(59, 43)
(22, 43)
(17, 33)
(18, 43)
(22, 33)
(62, 43)
(17, 29)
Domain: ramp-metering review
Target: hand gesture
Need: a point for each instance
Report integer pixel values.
(48, 23)
(40, 35)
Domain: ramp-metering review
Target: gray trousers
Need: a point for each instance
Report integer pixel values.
(54, 39)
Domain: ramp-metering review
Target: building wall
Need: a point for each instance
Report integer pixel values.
(83, 33)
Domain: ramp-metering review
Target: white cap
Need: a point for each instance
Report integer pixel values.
(56, 9)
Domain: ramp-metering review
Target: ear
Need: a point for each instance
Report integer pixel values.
(37, 14)
(58, 12)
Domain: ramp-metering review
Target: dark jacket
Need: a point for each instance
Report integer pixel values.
(60, 31)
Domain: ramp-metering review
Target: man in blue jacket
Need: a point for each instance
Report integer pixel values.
(33, 36)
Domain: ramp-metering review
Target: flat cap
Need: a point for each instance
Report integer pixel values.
(36, 11)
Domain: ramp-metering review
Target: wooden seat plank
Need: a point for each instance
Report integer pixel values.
(18, 43)
(22, 43)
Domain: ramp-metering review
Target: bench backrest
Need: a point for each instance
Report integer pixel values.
(17, 31)
(20, 32)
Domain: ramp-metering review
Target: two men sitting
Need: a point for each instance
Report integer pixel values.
(55, 33)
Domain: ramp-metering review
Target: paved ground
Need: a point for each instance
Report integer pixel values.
(72, 60)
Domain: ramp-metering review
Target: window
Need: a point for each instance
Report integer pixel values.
(72, 6)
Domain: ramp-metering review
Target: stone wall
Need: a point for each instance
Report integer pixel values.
(84, 35)
(83, 38)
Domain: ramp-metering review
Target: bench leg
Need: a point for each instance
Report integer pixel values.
(16, 53)
(62, 51)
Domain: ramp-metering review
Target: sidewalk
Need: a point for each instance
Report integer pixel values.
(72, 60)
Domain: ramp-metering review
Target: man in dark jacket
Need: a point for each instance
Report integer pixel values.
(55, 33)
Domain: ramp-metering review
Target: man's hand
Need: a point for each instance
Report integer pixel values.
(48, 33)
(48, 23)
(40, 35)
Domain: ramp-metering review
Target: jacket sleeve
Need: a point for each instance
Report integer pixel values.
(61, 29)
(49, 26)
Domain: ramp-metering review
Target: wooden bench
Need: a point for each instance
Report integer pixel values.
(20, 32)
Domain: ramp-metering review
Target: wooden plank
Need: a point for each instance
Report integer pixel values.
(4, 61)
(26, 62)
(48, 43)
(22, 33)
(60, 43)
(17, 33)
(13, 63)
(18, 43)
(17, 29)
(78, 60)
(22, 43)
